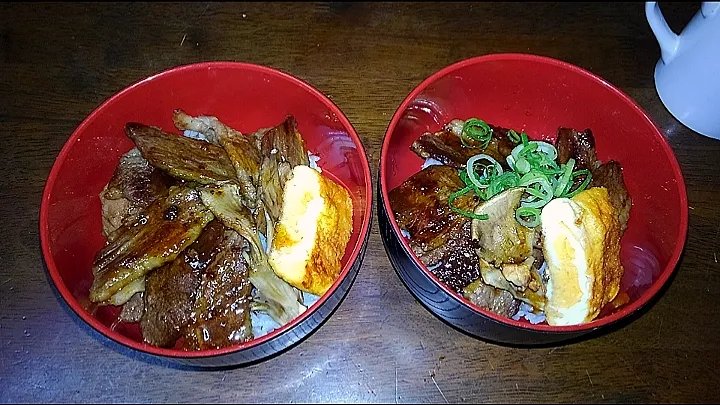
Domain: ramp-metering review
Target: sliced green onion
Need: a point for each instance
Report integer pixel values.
(550, 172)
(513, 136)
(480, 192)
(546, 193)
(548, 149)
(457, 194)
(582, 185)
(565, 178)
(533, 193)
(522, 166)
(516, 151)
(527, 212)
(501, 183)
(533, 165)
(528, 178)
(554, 166)
(527, 148)
(510, 160)
(536, 160)
(478, 130)
(482, 181)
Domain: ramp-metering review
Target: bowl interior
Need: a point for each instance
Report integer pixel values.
(537, 95)
(245, 97)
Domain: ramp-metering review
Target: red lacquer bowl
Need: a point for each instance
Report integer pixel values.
(246, 97)
(539, 94)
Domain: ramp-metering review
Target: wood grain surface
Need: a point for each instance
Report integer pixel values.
(58, 61)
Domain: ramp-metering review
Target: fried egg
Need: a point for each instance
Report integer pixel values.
(582, 252)
(313, 231)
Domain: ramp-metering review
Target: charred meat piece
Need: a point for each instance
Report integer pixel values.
(609, 175)
(221, 315)
(492, 299)
(447, 147)
(241, 148)
(577, 145)
(133, 309)
(181, 157)
(282, 148)
(171, 290)
(581, 147)
(421, 207)
(454, 263)
(500, 145)
(135, 184)
(440, 237)
(156, 237)
(136, 180)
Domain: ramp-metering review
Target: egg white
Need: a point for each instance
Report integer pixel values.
(566, 252)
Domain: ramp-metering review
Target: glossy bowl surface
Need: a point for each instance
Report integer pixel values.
(244, 96)
(539, 94)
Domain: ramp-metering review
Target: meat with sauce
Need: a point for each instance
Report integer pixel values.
(447, 147)
(579, 145)
(221, 312)
(274, 296)
(171, 290)
(241, 149)
(159, 234)
(133, 309)
(134, 185)
(441, 237)
(493, 299)
(282, 148)
(181, 157)
(609, 175)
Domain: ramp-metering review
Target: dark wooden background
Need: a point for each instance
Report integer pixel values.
(59, 61)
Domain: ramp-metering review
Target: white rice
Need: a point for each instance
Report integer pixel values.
(262, 324)
(313, 161)
(194, 135)
(431, 162)
(526, 311)
(542, 271)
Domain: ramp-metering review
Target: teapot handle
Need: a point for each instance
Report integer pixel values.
(667, 39)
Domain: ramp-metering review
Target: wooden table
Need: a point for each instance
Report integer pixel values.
(59, 61)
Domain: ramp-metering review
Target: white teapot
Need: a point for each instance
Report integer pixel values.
(687, 76)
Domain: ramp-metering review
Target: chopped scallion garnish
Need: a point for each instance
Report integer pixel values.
(478, 130)
(532, 165)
